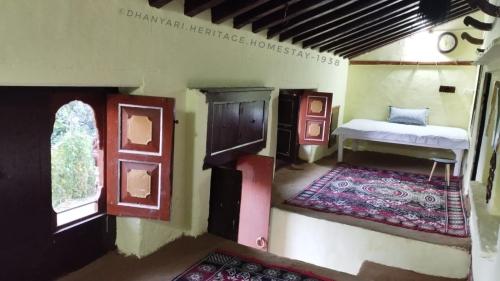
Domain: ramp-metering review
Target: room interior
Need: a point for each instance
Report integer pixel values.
(250, 140)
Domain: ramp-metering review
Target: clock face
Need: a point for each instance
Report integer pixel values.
(447, 42)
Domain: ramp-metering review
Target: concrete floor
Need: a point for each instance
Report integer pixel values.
(290, 180)
(377, 272)
(175, 258)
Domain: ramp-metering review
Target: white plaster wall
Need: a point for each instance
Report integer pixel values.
(485, 240)
(116, 43)
(344, 247)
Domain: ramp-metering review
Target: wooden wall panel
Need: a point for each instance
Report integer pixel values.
(30, 249)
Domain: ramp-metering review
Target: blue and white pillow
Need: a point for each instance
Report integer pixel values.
(410, 116)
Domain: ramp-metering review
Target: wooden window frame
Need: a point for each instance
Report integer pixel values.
(96, 99)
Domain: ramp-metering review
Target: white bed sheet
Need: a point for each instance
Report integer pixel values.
(430, 136)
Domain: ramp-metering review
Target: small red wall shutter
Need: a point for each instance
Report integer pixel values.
(139, 156)
(314, 118)
(257, 179)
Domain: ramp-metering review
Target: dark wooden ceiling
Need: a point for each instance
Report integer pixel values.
(347, 28)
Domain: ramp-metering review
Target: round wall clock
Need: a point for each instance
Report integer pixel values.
(447, 42)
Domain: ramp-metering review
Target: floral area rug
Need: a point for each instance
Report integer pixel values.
(395, 198)
(220, 266)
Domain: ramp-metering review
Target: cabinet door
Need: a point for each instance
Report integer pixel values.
(251, 122)
(257, 173)
(314, 118)
(139, 157)
(236, 123)
(224, 126)
(288, 108)
(225, 196)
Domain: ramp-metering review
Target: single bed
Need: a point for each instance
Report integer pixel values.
(455, 139)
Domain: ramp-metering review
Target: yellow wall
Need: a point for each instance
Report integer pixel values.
(485, 218)
(159, 52)
(372, 88)
(487, 149)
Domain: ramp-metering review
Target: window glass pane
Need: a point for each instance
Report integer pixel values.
(74, 152)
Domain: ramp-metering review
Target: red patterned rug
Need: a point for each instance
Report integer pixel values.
(221, 266)
(395, 198)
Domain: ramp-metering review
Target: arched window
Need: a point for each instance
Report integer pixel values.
(75, 172)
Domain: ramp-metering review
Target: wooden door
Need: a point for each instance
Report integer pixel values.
(257, 179)
(314, 118)
(225, 196)
(140, 144)
(287, 148)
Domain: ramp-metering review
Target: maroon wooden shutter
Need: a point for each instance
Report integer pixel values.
(314, 118)
(255, 208)
(139, 156)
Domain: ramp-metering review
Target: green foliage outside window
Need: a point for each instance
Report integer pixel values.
(74, 170)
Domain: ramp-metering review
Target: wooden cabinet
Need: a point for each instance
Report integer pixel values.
(237, 123)
(240, 201)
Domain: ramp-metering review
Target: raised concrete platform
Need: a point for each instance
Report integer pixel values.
(344, 243)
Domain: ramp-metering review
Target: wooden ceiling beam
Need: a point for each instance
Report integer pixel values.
(373, 31)
(412, 25)
(309, 16)
(260, 12)
(392, 30)
(421, 25)
(288, 13)
(351, 12)
(230, 9)
(194, 7)
(359, 51)
(471, 39)
(344, 29)
(484, 26)
(158, 3)
(379, 44)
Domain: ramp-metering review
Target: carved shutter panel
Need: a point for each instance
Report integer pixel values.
(139, 156)
(314, 118)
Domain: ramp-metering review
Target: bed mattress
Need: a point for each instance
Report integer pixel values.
(430, 136)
